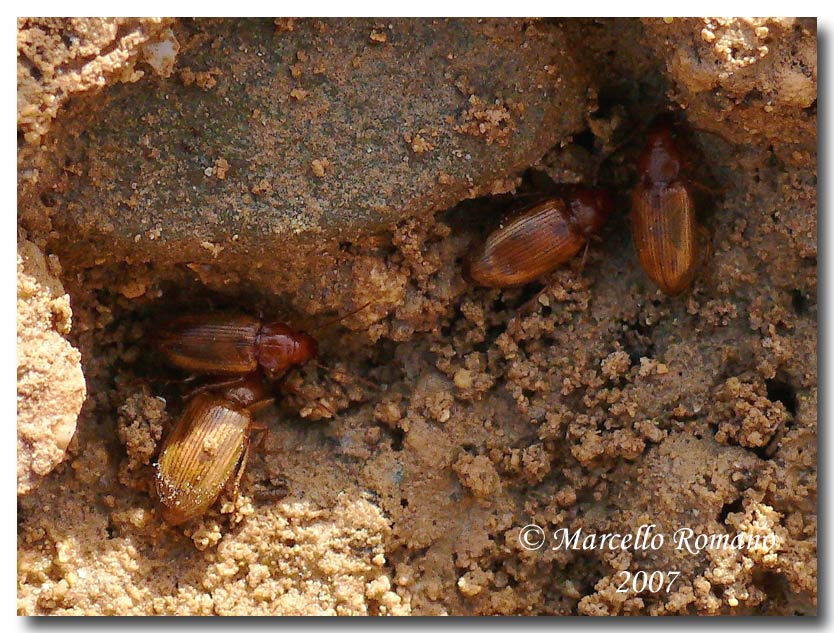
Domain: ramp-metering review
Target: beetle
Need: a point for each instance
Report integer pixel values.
(233, 344)
(539, 237)
(208, 445)
(663, 222)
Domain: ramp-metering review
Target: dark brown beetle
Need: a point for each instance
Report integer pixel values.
(539, 237)
(228, 344)
(663, 222)
(206, 447)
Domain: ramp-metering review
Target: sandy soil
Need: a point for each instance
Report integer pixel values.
(286, 168)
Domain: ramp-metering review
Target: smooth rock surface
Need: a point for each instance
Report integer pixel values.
(268, 137)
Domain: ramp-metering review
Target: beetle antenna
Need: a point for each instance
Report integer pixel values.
(167, 382)
(345, 316)
(624, 143)
(364, 381)
(316, 402)
(632, 134)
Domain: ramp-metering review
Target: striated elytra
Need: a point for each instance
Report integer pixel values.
(210, 441)
(540, 237)
(663, 222)
(206, 447)
(226, 344)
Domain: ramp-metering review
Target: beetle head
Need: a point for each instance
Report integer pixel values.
(281, 347)
(590, 209)
(660, 162)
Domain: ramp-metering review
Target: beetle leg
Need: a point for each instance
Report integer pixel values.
(707, 189)
(705, 236)
(776, 440)
(703, 232)
(529, 305)
(326, 408)
(260, 405)
(584, 256)
(271, 495)
(338, 372)
(241, 468)
(179, 381)
(262, 430)
(216, 384)
(278, 491)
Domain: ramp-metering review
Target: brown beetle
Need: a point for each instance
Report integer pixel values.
(539, 237)
(227, 344)
(207, 446)
(663, 222)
